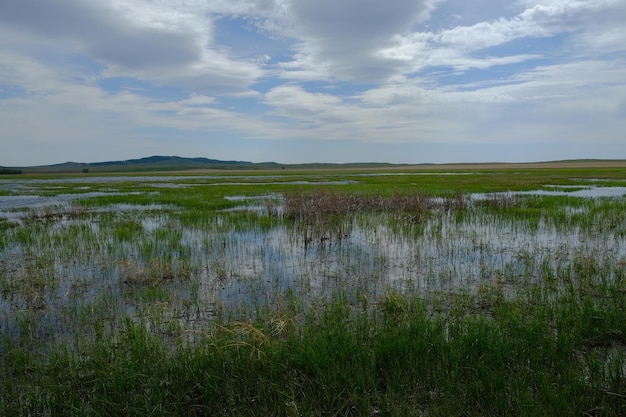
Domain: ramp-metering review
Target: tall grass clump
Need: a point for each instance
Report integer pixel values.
(321, 204)
(327, 215)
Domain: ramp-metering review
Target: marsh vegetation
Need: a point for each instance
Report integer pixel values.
(321, 293)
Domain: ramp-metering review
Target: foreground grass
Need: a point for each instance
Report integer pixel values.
(401, 356)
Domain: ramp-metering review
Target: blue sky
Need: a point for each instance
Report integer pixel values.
(296, 81)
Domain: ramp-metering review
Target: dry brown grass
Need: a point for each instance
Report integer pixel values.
(323, 204)
(155, 272)
(324, 214)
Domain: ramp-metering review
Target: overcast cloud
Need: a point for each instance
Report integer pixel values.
(291, 81)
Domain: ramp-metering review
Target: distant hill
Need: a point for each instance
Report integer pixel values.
(176, 163)
(159, 163)
(148, 164)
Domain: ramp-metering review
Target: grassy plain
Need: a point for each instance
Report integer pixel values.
(392, 292)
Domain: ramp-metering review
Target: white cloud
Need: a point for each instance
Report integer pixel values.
(454, 47)
(345, 36)
(165, 41)
(487, 34)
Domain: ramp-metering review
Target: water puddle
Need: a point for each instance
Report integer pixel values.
(563, 191)
(269, 204)
(13, 202)
(173, 181)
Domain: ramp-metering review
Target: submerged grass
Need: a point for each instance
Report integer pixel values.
(396, 359)
(383, 295)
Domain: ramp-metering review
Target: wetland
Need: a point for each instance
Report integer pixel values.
(469, 292)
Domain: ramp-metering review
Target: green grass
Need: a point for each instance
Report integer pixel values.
(398, 359)
(174, 305)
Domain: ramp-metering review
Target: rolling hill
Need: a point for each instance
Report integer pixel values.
(176, 163)
(148, 164)
(159, 163)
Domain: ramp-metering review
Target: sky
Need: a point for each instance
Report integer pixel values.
(299, 81)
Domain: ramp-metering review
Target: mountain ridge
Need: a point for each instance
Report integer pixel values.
(146, 164)
(162, 163)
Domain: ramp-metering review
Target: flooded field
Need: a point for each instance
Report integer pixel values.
(188, 290)
(97, 249)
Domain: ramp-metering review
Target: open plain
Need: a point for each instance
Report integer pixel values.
(473, 289)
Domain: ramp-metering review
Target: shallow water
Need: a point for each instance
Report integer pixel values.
(12, 202)
(114, 258)
(561, 190)
(447, 255)
(17, 185)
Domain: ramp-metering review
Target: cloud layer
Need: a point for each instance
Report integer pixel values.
(287, 80)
